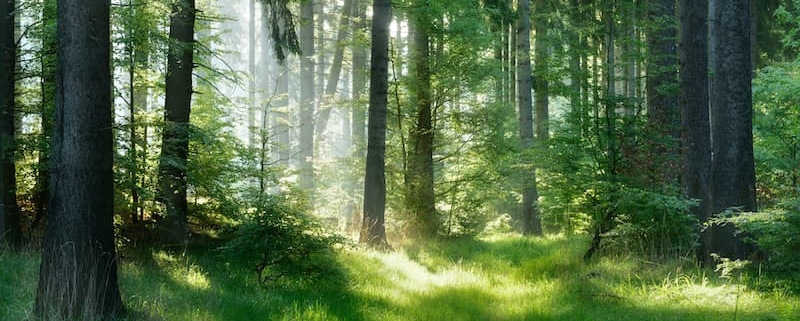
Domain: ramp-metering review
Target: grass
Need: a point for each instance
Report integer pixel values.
(500, 278)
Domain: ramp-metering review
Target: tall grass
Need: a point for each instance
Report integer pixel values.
(498, 278)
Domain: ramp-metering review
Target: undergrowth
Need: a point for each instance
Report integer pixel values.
(495, 278)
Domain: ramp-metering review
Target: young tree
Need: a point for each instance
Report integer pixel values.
(732, 170)
(9, 215)
(693, 102)
(78, 273)
(373, 232)
(177, 106)
(531, 223)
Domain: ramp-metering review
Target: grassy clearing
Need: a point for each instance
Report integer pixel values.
(502, 278)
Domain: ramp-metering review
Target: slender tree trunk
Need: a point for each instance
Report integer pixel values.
(46, 110)
(693, 101)
(78, 273)
(359, 118)
(175, 138)
(10, 231)
(531, 223)
(420, 199)
(373, 232)
(541, 86)
(732, 170)
(251, 85)
(306, 148)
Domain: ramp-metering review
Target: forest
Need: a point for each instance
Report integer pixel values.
(399, 160)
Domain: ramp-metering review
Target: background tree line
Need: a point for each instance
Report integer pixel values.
(632, 121)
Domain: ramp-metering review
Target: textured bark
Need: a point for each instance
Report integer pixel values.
(541, 85)
(531, 223)
(420, 199)
(78, 273)
(306, 147)
(693, 101)
(373, 232)
(662, 100)
(733, 169)
(175, 138)
(10, 232)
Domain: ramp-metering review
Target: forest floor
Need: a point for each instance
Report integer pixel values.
(499, 278)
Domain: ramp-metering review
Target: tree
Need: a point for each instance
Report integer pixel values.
(693, 102)
(531, 223)
(419, 197)
(9, 215)
(306, 148)
(373, 232)
(177, 106)
(541, 86)
(78, 272)
(732, 170)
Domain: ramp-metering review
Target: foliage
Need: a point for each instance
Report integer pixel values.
(281, 241)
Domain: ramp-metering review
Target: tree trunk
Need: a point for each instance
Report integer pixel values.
(541, 87)
(175, 138)
(693, 101)
(373, 232)
(531, 224)
(306, 148)
(78, 273)
(420, 199)
(46, 110)
(251, 84)
(10, 231)
(359, 118)
(732, 169)
(662, 103)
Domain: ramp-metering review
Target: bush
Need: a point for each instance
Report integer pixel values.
(281, 241)
(777, 234)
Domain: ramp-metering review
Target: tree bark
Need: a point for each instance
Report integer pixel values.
(693, 102)
(306, 147)
(531, 223)
(373, 232)
(10, 231)
(175, 138)
(541, 86)
(732, 169)
(78, 273)
(420, 198)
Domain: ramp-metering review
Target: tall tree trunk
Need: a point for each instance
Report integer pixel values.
(531, 223)
(359, 118)
(662, 100)
(373, 232)
(420, 199)
(78, 273)
(175, 138)
(10, 231)
(733, 170)
(306, 148)
(251, 84)
(541, 86)
(693, 101)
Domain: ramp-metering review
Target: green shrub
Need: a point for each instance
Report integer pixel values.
(280, 241)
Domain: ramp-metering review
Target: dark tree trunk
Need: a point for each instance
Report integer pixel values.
(10, 231)
(541, 85)
(420, 199)
(693, 101)
(662, 102)
(733, 169)
(78, 274)
(373, 232)
(306, 147)
(175, 138)
(531, 223)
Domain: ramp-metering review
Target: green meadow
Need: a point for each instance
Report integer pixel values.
(496, 278)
